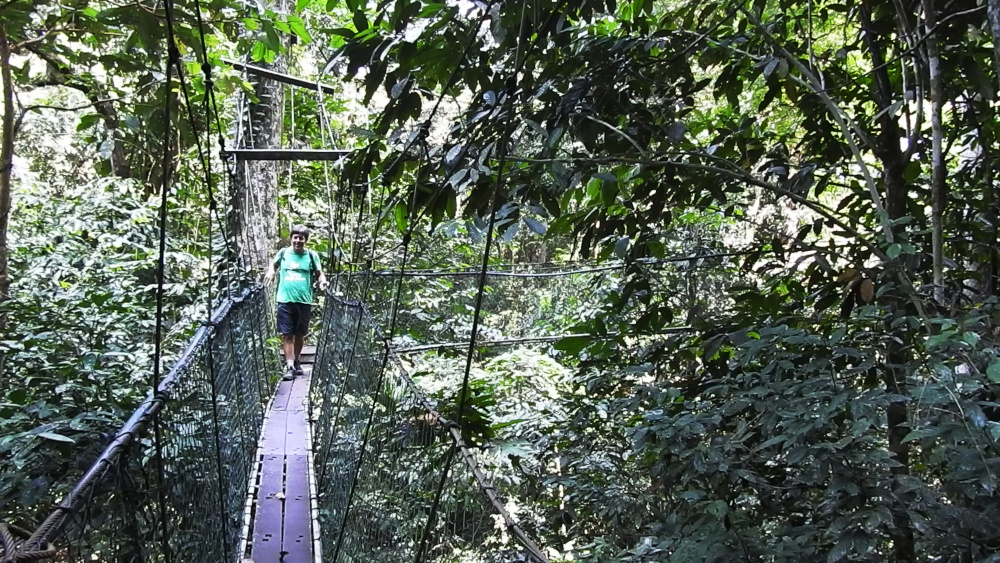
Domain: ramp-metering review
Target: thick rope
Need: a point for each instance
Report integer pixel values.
(173, 58)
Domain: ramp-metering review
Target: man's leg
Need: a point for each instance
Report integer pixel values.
(288, 344)
(302, 328)
(300, 341)
(287, 322)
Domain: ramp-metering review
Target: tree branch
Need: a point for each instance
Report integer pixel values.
(843, 120)
(24, 111)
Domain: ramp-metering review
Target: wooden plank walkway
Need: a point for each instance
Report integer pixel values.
(282, 523)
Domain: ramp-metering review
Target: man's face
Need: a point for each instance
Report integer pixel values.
(299, 241)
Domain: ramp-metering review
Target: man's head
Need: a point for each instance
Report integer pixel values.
(299, 236)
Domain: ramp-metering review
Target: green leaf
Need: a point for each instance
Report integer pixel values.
(536, 226)
(272, 41)
(258, 51)
(88, 121)
(993, 372)
(573, 344)
(360, 21)
(299, 29)
(717, 508)
(894, 250)
(401, 216)
(57, 437)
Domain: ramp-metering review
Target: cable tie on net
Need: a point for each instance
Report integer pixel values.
(210, 323)
(406, 237)
(174, 54)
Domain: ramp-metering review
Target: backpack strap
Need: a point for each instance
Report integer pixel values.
(313, 261)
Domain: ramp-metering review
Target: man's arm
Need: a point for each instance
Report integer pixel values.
(272, 268)
(322, 281)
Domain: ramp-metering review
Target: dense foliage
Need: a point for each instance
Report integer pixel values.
(834, 397)
(807, 190)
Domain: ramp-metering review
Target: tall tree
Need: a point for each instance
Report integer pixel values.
(6, 156)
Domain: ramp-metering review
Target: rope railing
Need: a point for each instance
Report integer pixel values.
(380, 449)
(209, 411)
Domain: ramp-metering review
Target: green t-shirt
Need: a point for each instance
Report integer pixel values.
(295, 275)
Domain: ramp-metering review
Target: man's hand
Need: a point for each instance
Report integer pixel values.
(269, 275)
(322, 282)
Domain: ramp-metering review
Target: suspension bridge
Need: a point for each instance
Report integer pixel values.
(353, 462)
(224, 462)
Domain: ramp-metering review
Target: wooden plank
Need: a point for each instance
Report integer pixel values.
(282, 396)
(297, 536)
(308, 355)
(299, 393)
(281, 77)
(274, 433)
(295, 434)
(288, 154)
(267, 527)
(283, 518)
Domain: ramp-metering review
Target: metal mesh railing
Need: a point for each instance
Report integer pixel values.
(207, 413)
(437, 307)
(395, 480)
(541, 302)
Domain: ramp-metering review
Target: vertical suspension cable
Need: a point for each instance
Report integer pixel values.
(387, 349)
(511, 90)
(205, 158)
(173, 57)
(291, 163)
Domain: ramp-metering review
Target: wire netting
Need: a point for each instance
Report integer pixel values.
(208, 412)
(437, 307)
(382, 448)
(381, 452)
(527, 301)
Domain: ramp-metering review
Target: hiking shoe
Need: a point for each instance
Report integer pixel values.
(289, 374)
(297, 369)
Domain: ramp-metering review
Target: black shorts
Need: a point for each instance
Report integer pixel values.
(293, 318)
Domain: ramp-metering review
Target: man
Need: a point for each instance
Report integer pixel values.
(298, 270)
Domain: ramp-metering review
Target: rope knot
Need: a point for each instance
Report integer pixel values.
(207, 69)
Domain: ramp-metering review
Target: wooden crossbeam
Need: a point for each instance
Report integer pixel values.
(288, 154)
(280, 77)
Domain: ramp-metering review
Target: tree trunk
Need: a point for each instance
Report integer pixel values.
(255, 198)
(938, 187)
(894, 374)
(6, 161)
(993, 11)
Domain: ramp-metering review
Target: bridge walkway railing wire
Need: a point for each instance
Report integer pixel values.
(208, 412)
(395, 480)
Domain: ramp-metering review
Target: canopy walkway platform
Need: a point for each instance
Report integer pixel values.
(352, 462)
(280, 508)
(226, 463)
